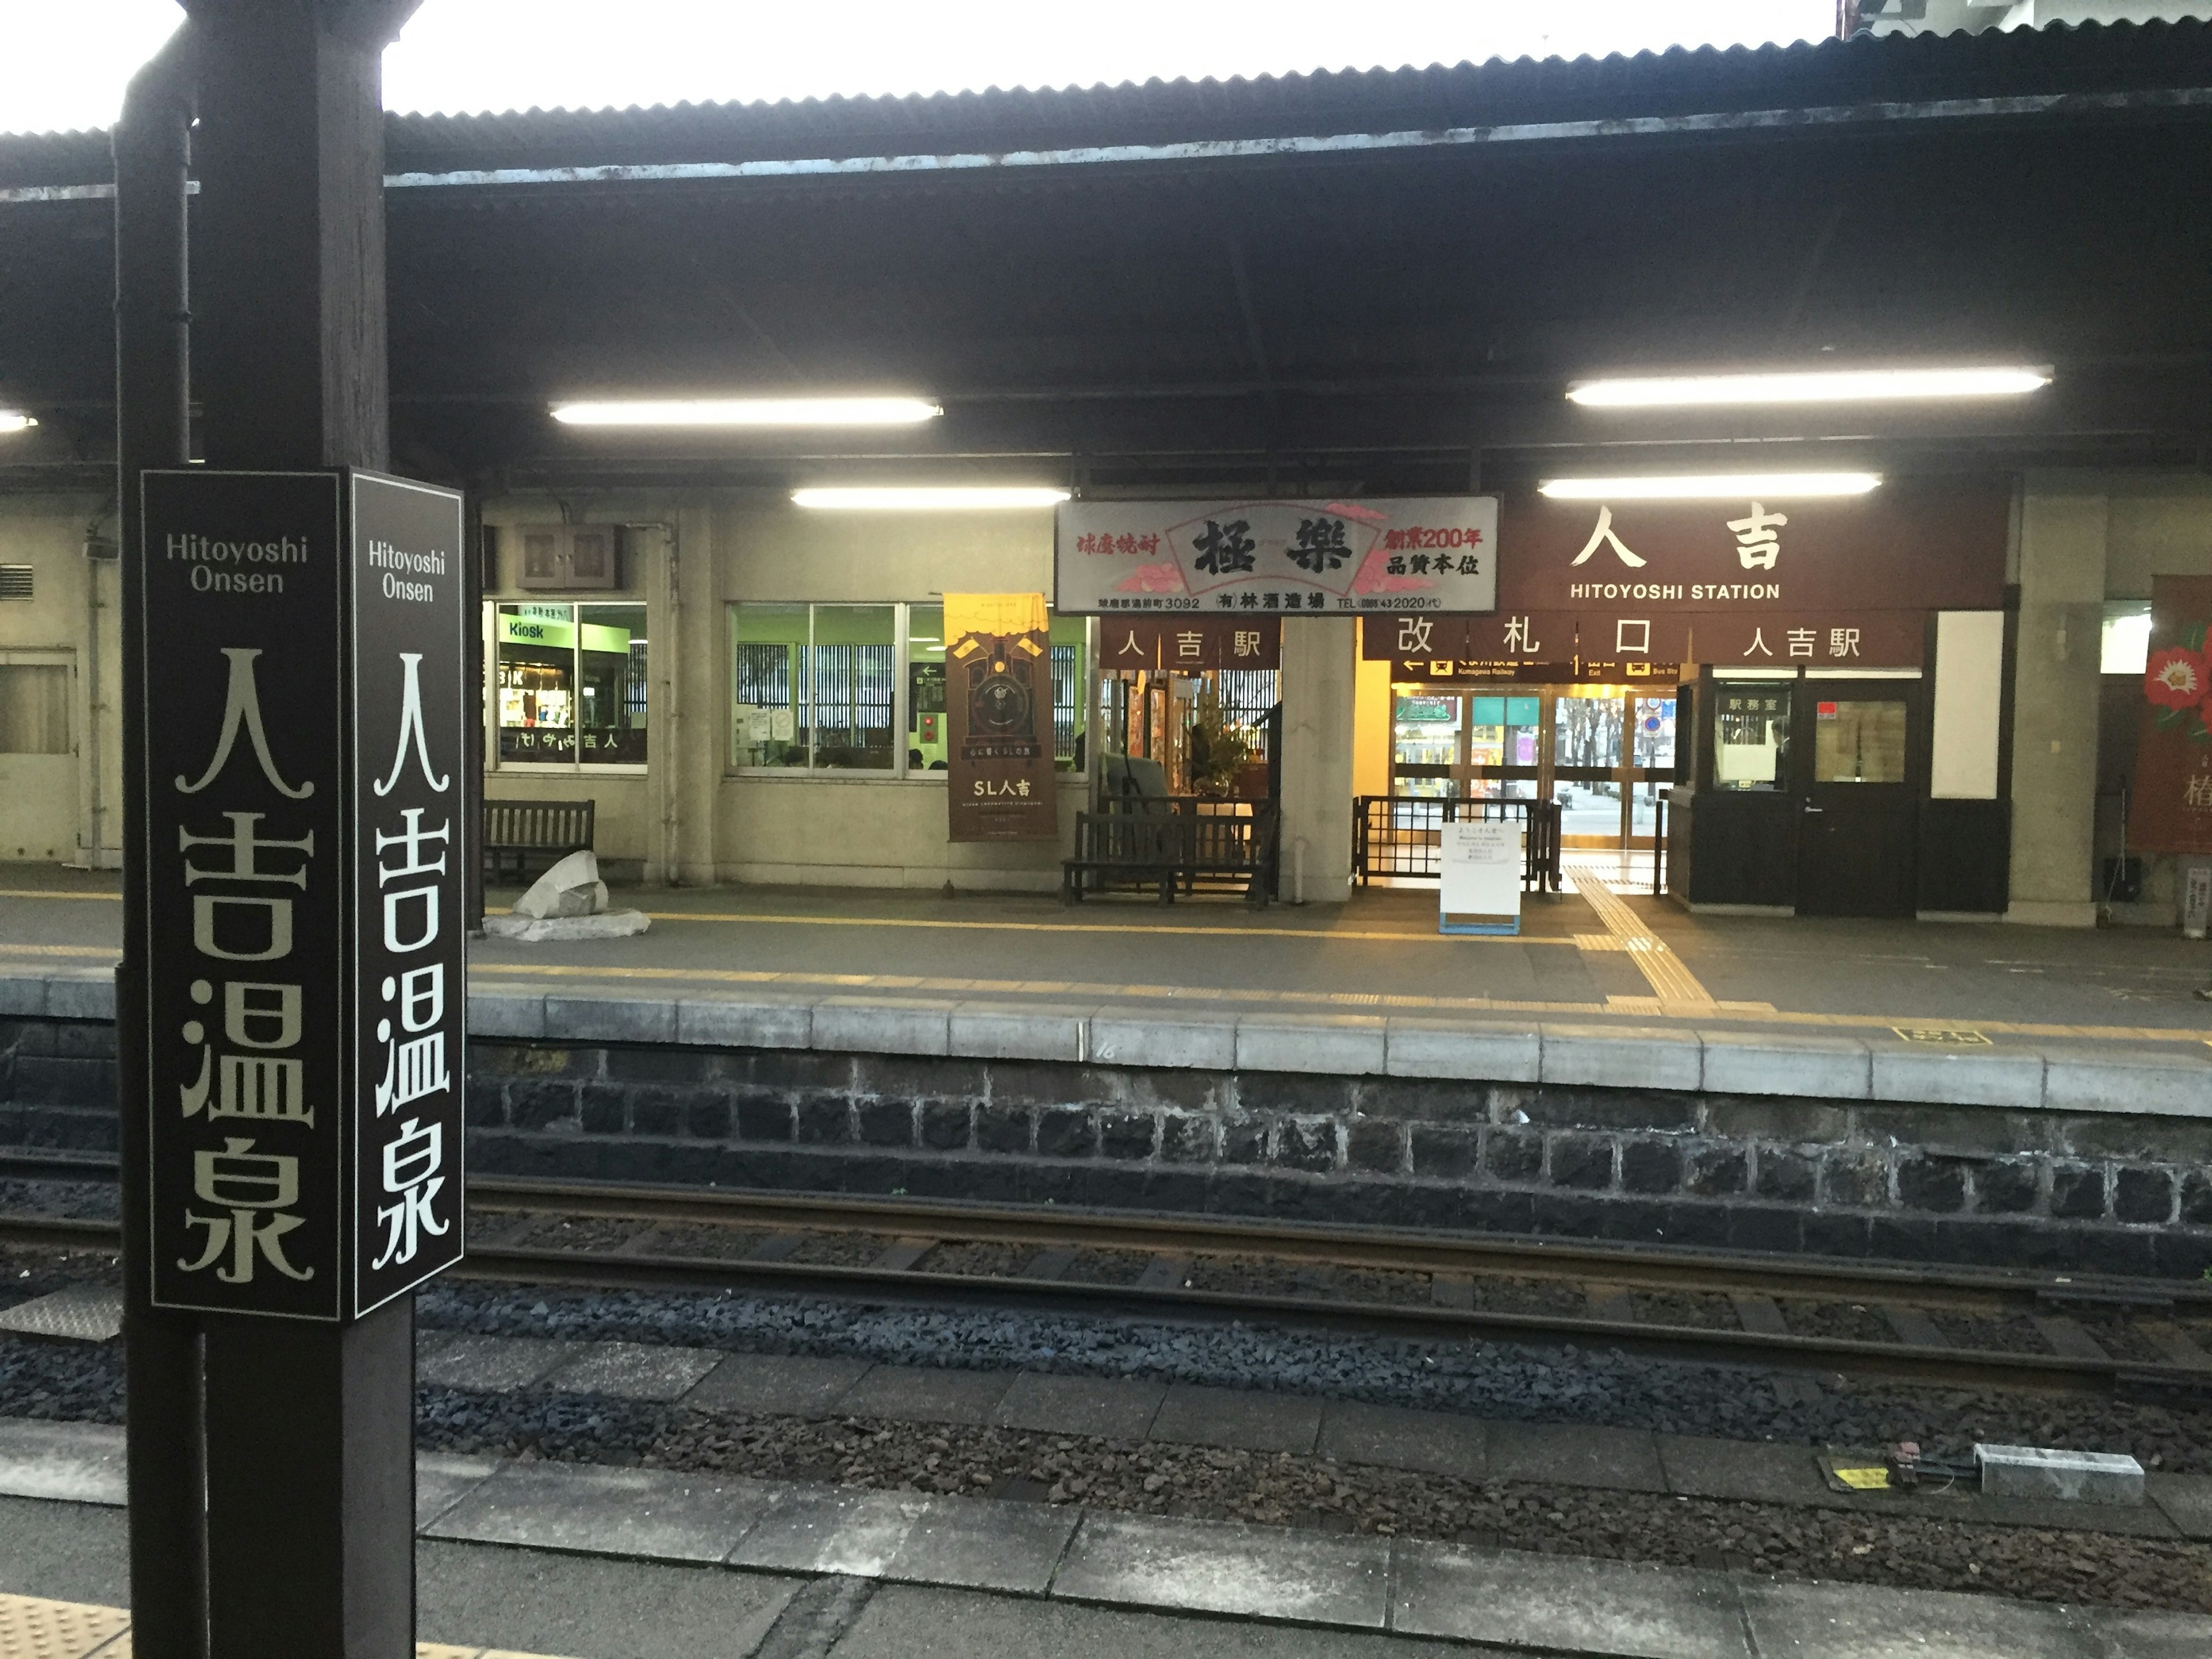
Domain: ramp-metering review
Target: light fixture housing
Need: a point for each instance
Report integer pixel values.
(1710, 486)
(13, 420)
(927, 498)
(748, 412)
(1812, 385)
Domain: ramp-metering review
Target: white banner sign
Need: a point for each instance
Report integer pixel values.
(1437, 554)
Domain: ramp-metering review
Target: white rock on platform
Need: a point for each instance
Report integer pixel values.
(570, 888)
(534, 930)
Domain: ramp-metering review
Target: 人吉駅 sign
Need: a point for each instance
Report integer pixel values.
(1435, 553)
(1831, 583)
(304, 720)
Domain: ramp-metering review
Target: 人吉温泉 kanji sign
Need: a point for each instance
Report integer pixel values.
(2170, 808)
(303, 722)
(1266, 558)
(999, 761)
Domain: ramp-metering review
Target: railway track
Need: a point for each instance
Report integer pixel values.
(1957, 1326)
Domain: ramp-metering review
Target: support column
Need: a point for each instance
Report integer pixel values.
(2064, 519)
(702, 747)
(304, 1432)
(160, 1349)
(1318, 684)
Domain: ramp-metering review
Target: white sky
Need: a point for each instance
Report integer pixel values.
(64, 66)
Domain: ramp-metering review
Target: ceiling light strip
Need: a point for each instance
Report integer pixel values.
(749, 411)
(1711, 486)
(926, 499)
(1807, 387)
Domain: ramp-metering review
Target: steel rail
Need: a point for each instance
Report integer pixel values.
(636, 1265)
(1636, 1266)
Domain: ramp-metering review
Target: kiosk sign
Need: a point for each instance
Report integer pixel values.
(304, 726)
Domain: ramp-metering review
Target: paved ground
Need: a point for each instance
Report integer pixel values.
(621, 1564)
(1596, 952)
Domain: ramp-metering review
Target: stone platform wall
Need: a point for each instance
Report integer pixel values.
(2041, 1188)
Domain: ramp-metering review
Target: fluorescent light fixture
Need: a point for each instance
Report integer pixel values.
(749, 411)
(1823, 385)
(924, 499)
(15, 421)
(1711, 486)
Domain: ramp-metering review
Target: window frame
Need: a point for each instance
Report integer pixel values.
(493, 762)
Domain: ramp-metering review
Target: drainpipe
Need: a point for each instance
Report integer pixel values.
(662, 762)
(99, 553)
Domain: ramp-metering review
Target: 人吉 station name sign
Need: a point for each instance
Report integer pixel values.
(304, 724)
(1435, 553)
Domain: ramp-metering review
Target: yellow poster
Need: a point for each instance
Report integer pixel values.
(998, 669)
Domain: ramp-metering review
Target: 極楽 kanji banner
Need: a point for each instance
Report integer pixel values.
(998, 697)
(2170, 810)
(303, 751)
(1432, 554)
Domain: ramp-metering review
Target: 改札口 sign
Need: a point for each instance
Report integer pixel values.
(1433, 554)
(304, 721)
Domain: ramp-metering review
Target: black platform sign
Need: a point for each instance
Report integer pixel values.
(304, 720)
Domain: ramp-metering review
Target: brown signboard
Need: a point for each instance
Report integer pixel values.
(2171, 809)
(1757, 638)
(1905, 546)
(1839, 583)
(1191, 644)
(998, 697)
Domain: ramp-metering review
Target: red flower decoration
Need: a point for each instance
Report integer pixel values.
(2176, 678)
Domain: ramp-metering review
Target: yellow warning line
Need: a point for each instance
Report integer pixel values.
(1392, 936)
(1672, 981)
(55, 892)
(30, 1626)
(109, 951)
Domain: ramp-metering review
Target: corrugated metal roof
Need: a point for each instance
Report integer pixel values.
(1995, 63)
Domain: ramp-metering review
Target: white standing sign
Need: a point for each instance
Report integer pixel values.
(1479, 888)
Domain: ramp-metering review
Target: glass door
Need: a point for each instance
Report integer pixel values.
(1588, 723)
(1651, 768)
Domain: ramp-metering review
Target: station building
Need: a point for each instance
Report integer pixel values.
(1921, 700)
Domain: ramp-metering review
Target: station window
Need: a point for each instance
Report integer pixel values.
(570, 684)
(35, 709)
(2126, 642)
(1860, 741)
(819, 687)
(812, 686)
(1751, 737)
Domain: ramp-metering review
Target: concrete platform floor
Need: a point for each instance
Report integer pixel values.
(1608, 949)
(623, 1564)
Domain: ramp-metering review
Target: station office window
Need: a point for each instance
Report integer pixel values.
(1860, 741)
(1751, 737)
(35, 716)
(821, 688)
(570, 683)
(812, 686)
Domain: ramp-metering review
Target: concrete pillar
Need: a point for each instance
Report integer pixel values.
(1318, 684)
(2062, 531)
(698, 740)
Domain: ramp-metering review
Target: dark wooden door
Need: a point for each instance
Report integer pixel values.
(1858, 839)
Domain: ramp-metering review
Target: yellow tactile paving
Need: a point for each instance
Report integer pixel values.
(34, 1629)
(1674, 983)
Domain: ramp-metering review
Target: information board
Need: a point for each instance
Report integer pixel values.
(1479, 887)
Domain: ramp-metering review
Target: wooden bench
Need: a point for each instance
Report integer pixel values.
(517, 833)
(1173, 844)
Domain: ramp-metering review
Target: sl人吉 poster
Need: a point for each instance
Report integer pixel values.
(997, 696)
(2171, 808)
